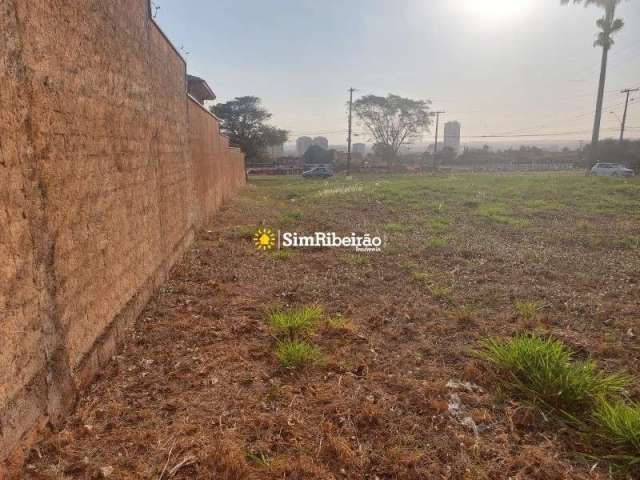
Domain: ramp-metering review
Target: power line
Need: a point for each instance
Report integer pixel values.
(564, 118)
(523, 135)
(508, 134)
(300, 134)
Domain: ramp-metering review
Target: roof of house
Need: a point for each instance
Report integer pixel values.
(199, 89)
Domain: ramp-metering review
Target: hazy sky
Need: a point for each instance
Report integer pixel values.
(497, 66)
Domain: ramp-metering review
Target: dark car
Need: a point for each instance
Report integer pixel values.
(318, 172)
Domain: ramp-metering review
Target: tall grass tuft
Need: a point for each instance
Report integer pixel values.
(542, 371)
(527, 309)
(618, 424)
(295, 322)
(297, 353)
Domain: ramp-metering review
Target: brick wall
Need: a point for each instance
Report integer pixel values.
(209, 173)
(106, 169)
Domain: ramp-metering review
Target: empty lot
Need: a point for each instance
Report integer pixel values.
(197, 392)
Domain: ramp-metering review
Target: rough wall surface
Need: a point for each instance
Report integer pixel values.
(106, 169)
(207, 173)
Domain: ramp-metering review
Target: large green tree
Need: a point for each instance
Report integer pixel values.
(608, 26)
(316, 154)
(244, 121)
(393, 121)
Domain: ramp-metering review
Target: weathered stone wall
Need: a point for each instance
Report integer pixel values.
(106, 169)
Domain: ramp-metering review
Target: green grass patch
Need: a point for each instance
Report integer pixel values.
(297, 353)
(439, 292)
(293, 323)
(618, 425)
(436, 242)
(283, 255)
(542, 371)
(395, 228)
(289, 218)
(258, 458)
(631, 242)
(341, 324)
(463, 314)
(499, 213)
(356, 260)
(242, 232)
(437, 225)
(543, 206)
(527, 309)
(422, 277)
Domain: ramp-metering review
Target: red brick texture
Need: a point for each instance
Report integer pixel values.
(107, 167)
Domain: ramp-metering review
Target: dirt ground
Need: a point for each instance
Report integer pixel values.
(197, 392)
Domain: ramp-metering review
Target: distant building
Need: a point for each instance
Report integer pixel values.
(360, 148)
(452, 135)
(199, 89)
(303, 144)
(321, 142)
(275, 151)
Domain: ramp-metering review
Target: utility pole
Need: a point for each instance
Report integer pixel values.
(626, 105)
(435, 147)
(351, 90)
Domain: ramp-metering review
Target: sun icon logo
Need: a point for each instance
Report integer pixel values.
(264, 239)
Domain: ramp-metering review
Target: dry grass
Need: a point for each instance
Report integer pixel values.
(199, 368)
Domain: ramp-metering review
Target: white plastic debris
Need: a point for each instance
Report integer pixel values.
(454, 404)
(466, 386)
(106, 471)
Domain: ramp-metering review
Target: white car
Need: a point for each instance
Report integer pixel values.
(611, 170)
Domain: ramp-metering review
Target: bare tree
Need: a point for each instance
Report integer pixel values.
(608, 25)
(393, 120)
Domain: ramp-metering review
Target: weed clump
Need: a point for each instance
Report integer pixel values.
(527, 309)
(297, 353)
(618, 424)
(436, 242)
(291, 350)
(282, 255)
(295, 322)
(542, 371)
(340, 324)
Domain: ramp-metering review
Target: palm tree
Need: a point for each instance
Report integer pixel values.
(608, 25)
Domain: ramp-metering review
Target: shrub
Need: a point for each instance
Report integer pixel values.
(295, 322)
(618, 425)
(297, 353)
(543, 372)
